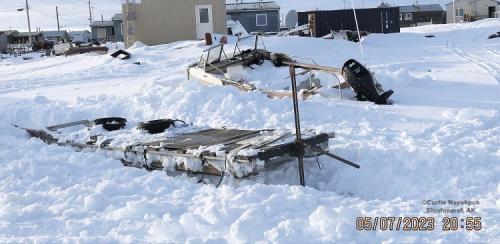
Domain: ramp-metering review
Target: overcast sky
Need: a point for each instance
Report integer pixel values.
(74, 14)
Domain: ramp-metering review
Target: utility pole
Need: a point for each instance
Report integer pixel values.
(57, 14)
(90, 13)
(29, 23)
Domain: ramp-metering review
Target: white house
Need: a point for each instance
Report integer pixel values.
(471, 10)
(80, 36)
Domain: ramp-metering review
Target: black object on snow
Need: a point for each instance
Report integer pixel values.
(112, 123)
(363, 83)
(124, 54)
(159, 126)
(494, 35)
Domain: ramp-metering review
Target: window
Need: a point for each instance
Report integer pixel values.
(261, 19)
(459, 12)
(408, 16)
(204, 18)
(400, 16)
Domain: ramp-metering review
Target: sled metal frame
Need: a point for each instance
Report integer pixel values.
(206, 69)
(153, 155)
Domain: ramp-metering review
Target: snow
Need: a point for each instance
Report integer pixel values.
(439, 141)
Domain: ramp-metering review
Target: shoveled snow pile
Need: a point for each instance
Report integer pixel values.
(439, 141)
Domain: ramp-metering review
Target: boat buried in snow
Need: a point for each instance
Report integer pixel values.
(217, 66)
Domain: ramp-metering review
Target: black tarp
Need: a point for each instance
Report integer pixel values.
(373, 20)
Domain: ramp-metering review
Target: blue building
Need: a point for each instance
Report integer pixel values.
(255, 16)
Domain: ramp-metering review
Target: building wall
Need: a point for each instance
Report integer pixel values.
(164, 21)
(110, 34)
(118, 30)
(81, 36)
(249, 21)
(437, 17)
(373, 20)
(3, 42)
(477, 9)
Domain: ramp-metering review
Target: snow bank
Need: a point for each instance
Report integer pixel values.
(439, 141)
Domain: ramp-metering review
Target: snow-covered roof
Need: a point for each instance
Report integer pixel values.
(420, 8)
(235, 7)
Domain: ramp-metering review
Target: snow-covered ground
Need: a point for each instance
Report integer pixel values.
(439, 141)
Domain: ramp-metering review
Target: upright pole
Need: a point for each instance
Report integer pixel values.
(29, 23)
(454, 13)
(90, 13)
(57, 14)
(298, 141)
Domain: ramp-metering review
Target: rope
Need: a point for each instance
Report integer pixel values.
(359, 33)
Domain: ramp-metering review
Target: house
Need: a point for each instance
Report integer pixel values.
(421, 14)
(102, 31)
(107, 30)
(57, 36)
(471, 10)
(80, 36)
(156, 22)
(22, 37)
(255, 16)
(6, 38)
(373, 20)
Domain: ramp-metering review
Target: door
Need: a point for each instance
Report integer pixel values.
(491, 11)
(204, 20)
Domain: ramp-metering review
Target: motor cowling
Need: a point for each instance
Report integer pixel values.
(363, 83)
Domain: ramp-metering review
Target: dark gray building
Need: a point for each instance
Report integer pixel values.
(117, 24)
(416, 15)
(57, 36)
(6, 38)
(108, 31)
(256, 16)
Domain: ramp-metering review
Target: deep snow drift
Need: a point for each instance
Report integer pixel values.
(440, 141)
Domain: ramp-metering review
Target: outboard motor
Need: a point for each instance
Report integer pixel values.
(363, 83)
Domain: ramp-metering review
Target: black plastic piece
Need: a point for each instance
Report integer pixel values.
(363, 83)
(111, 123)
(158, 126)
(125, 54)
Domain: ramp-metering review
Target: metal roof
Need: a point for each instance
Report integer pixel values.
(8, 32)
(117, 17)
(252, 6)
(102, 23)
(498, 2)
(25, 34)
(55, 33)
(420, 8)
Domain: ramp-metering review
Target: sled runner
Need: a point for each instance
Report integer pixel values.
(172, 145)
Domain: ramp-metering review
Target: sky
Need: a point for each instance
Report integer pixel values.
(74, 14)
